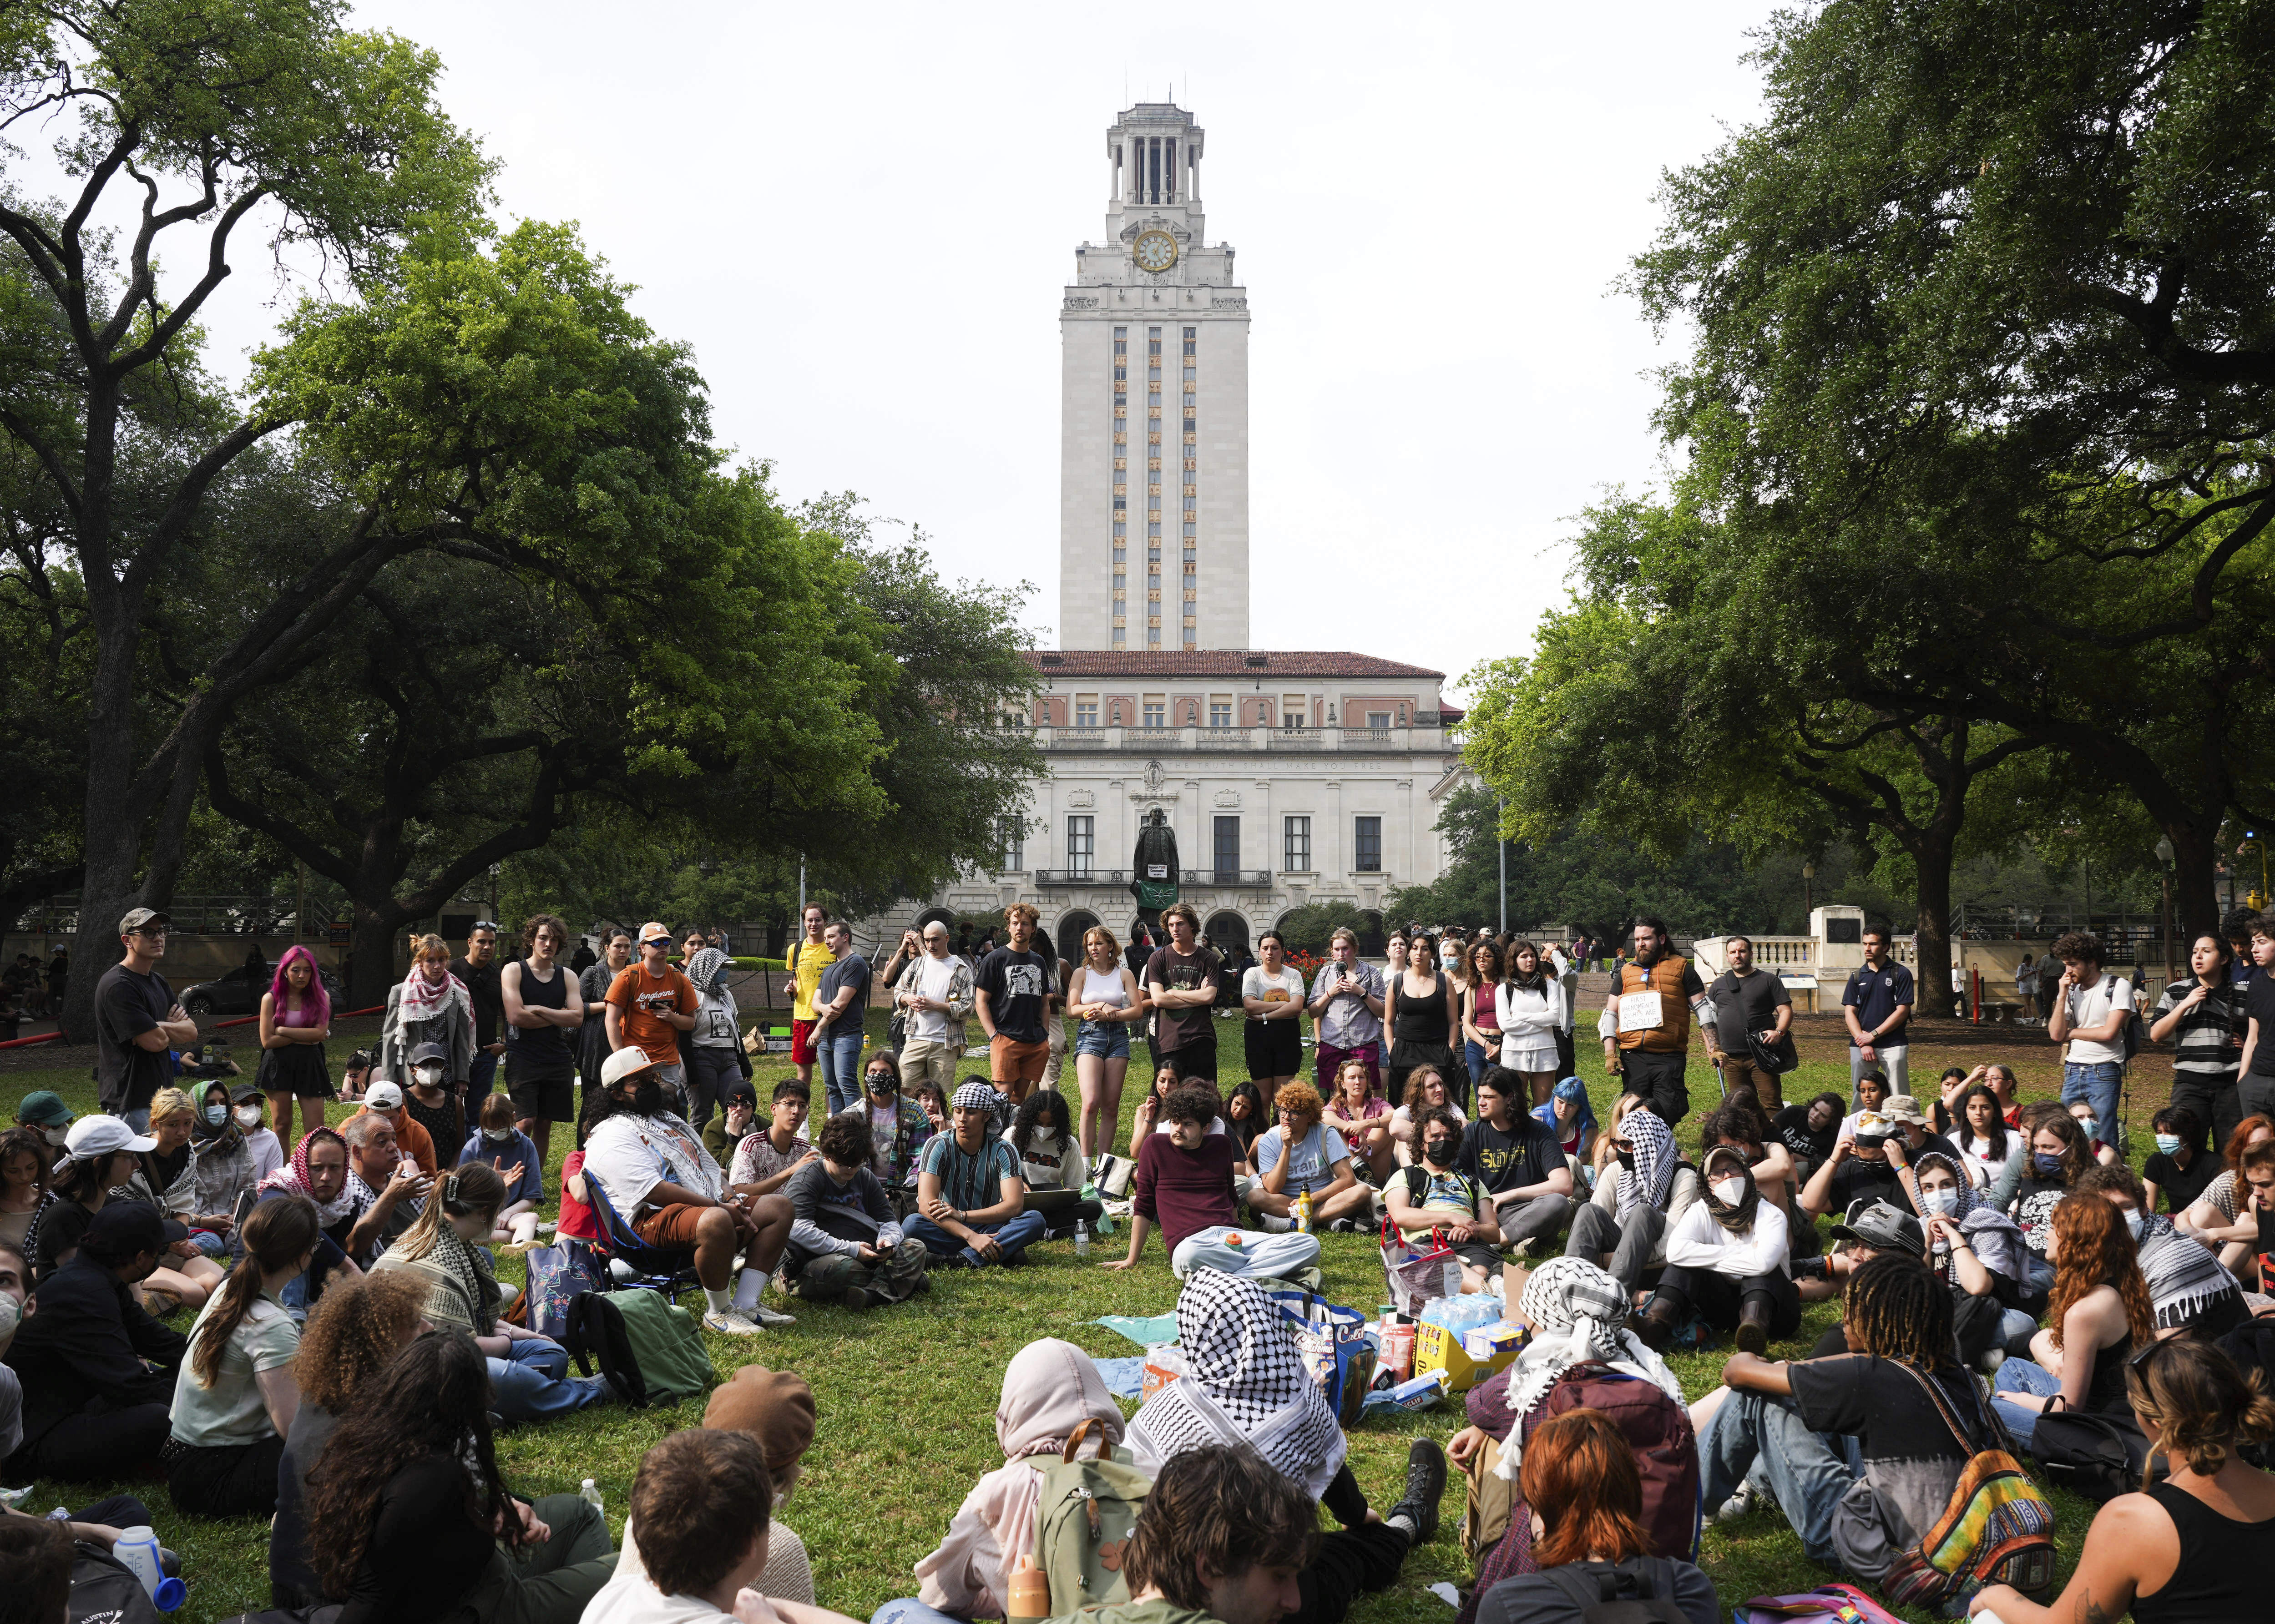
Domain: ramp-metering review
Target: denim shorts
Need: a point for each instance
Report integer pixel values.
(1107, 1039)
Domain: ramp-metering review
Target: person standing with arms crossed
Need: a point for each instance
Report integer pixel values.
(1181, 983)
(1646, 1023)
(1878, 1006)
(136, 1022)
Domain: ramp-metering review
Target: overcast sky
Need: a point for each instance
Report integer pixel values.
(862, 218)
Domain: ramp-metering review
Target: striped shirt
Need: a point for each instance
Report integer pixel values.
(2209, 1040)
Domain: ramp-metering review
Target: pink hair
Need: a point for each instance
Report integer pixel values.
(318, 1001)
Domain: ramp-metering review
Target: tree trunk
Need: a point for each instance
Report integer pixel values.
(377, 926)
(2195, 888)
(1930, 856)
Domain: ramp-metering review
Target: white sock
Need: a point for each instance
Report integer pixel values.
(1402, 1523)
(747, 1288)
(1274, 1224)
(721, 1302)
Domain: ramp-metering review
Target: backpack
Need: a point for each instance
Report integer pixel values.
(2094, 1455)
(1599, 1598)
(650, 1351)
(557, 1275)
(1834, 1604)
(1334, 1347)
(593, 1332)
(105, 1590)
(1657, 1429)
(1996, 1529)
(1084, 1513)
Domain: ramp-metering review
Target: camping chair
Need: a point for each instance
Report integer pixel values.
(653, 1268)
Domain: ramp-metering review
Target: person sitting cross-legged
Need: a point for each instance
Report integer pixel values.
(845, 1244)
(970, 1199)
(1518, 1162)
(1726, 1258)
(1638, 1198)
(658, 1178)
(1185, 1185)
(1302, 1154)
(1785, 1425)
(1436, 1197)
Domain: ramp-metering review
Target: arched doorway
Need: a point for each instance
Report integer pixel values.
(946, 916)
(1069, 933)
(1228, 933)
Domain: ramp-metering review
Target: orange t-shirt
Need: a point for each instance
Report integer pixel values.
(637, 995)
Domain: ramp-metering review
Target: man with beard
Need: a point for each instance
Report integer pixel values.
(1647, 1024)
(661, 1181)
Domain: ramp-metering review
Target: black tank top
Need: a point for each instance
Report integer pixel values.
(1422, 1016)
(2106, 1393)
(2223, 1565)
(541, 1052)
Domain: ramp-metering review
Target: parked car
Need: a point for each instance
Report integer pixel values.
(237, 993)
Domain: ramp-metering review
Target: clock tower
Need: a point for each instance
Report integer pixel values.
(1154, 411)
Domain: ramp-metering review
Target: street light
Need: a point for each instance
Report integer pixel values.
(2256, 900)
(1808, 873)
(2164, 919)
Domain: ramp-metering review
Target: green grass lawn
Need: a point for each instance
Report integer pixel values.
(907, 1393)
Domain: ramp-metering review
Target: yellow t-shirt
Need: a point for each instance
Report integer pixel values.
(813, 959)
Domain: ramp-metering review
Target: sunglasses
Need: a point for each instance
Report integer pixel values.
(484, 925)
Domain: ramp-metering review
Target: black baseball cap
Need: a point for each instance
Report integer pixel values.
(1882, 1226)
(124, 1228)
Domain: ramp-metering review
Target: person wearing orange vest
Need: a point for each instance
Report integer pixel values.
(1647, 1021)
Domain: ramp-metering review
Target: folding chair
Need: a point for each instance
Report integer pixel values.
(654, 1268)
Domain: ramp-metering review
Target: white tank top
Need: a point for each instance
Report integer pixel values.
(1102, 989)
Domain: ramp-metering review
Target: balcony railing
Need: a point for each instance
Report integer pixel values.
(1192, 737)
(1191, 879)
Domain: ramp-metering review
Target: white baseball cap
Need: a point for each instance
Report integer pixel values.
(103, 1136)
(383, 1096)
(624, 1063)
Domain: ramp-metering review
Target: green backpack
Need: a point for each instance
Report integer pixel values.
(1083, 1517)
(666, 1346)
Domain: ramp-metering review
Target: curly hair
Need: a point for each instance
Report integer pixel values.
(2082, 946)
(431, 1399)
(1299, 1098)
(1191, 1102)
(1043, 1103)
(2092, 1249)
(537, 922)
(357, 1326)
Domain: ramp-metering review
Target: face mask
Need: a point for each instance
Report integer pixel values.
(249, 1117)
(2089, 1127)
(430, 1077)
(1730, 1191)
(2132, 1225)
(10, 1312)
(1440, 1152)
(497, 1136)
(1627, 1159)
(2047, 1166)
(215, 1115)
(1940, 1200)
(647, 1097)
(2168, 1143)
(58, 1136)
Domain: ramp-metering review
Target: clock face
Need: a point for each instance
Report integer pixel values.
(1155, 251)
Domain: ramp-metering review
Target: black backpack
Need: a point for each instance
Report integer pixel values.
(595, 1333)
(2095, 1455)
(1609, 1596)
(104, 1590)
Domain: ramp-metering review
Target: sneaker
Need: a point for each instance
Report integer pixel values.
(1993, 1359)
(727, 1322)
(921, 1285)
(856, 1298)
(768, 1320)
(620, 1271)
(547, 1228)
(1737, 1506)
(1425, 1487)
(1526, 1250)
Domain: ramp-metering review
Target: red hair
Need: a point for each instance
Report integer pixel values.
(1579, 1474)
(2232, 1152)
(2093, 1248)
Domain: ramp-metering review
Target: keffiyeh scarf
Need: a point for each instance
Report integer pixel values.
(2184, 1276)
(1647, 1182)
(1577, 1313)
(1994, 1237)
(1245, 1383)
(1736, 1216)
(293, 1178)
(707, 970)
(423, 1000)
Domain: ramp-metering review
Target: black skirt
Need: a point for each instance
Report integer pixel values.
(299, 1069)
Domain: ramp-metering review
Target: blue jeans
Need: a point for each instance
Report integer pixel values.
(838, 1046)
(1475, 1053)
(908, 1610)
(1014, 1237)
(2021, 1376)
(479, 1071)
(529, 1384)
(2097, 1084)
(1763, 1435)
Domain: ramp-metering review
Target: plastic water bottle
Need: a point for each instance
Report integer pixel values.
(1082, 1238)
(590, 1494)
(137, 1551)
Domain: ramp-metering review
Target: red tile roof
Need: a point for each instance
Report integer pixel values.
(1220, 662)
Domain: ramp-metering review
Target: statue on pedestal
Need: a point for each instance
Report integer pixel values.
(1154, 867)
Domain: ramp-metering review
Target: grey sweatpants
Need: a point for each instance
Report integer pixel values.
(1595, 1232)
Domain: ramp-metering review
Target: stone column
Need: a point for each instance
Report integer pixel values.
(1334, 869)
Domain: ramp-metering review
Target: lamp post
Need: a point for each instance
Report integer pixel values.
(2164, 918)
(1808, 873)
(1501, 840)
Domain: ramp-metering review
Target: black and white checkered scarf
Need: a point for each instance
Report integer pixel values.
(1245, 1383)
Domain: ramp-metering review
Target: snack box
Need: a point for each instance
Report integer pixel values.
(1436, 1348)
